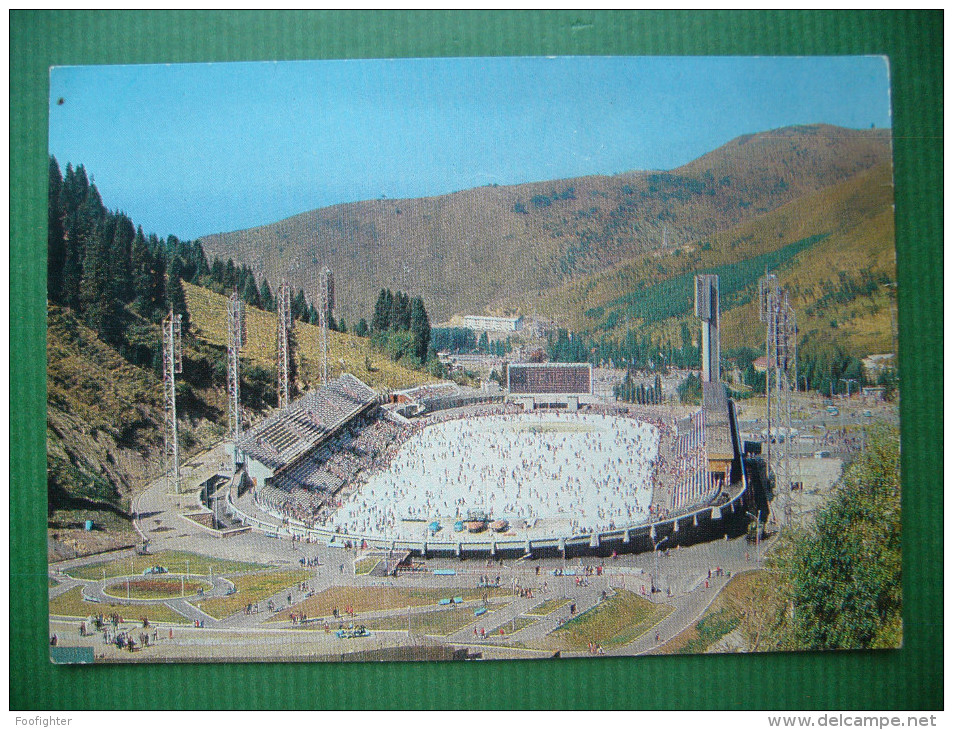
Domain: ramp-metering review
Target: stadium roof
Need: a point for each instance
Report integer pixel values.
(293, 431)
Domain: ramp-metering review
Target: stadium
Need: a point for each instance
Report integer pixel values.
(540, 468)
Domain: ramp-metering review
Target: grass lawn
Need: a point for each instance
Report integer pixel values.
(365, 565)
(433, 623)
(380, 598)
(158, 587)
(173, 561)
(547, 607)
(616, 621)
(719, 619)
(252, 588)
(71, 603)
(521, 622)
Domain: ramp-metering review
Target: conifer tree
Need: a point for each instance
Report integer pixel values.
(267, 298)
(380, 322)
(250, 293)
(142, 275)
(420, 326)
(56, 242)
(120, 255)
(175, 293)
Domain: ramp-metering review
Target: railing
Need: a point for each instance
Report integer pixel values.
(623, 535)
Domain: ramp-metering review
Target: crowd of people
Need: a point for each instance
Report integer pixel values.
(587, 469)
(608, 466)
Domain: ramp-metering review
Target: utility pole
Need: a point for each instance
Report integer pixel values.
(236, 338)
(285, 325)
(171, 364)
(781, 350)
(325, 305)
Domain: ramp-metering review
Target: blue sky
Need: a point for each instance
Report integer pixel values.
(193, 149)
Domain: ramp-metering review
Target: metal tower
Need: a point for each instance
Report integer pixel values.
(325, 305)
(171, 364)
(285, 325)
(236, 338)
(781, 349)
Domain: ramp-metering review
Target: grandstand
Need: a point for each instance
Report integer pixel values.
(318, 466)
(284, 437)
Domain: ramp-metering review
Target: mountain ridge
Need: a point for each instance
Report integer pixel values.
(468, 251)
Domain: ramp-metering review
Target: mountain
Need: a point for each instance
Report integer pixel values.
(484, 249)
(826, 246)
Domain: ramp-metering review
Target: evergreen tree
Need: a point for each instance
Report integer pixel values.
(420, 327)
(361, 329)
(120, 258)
(56, 241)
(218, 271)
(157, 290)
(230, 278)
(175, 293)
(101, 310)
(381, 319)
(203, 268)
(400, 318)
(267, 299)
(250, 293)
(299, 306)
(83, 213)
(142, 275)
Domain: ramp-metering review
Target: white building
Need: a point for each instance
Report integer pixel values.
(493, 324)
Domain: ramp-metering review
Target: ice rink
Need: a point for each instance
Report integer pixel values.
(584, 471)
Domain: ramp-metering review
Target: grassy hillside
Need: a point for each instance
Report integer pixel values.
(207, 310)
(104, 415)
(104, 437)
(483, 249)
(811, 242)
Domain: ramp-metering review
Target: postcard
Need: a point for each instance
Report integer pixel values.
(472, 359)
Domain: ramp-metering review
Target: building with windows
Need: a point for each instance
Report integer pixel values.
(493, 324)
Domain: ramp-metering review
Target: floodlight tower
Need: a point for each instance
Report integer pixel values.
(325, 305)
(171, 364)
(707, 310)
(781, 350)
(285, 325)
(236, 338)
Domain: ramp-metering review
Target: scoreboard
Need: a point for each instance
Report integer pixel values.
(562, 378)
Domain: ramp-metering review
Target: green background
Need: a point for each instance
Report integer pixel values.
(910, 678)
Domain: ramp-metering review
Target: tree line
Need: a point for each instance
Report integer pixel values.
(401, 326)
(122, 282)
(639, 351)
(103, 267)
